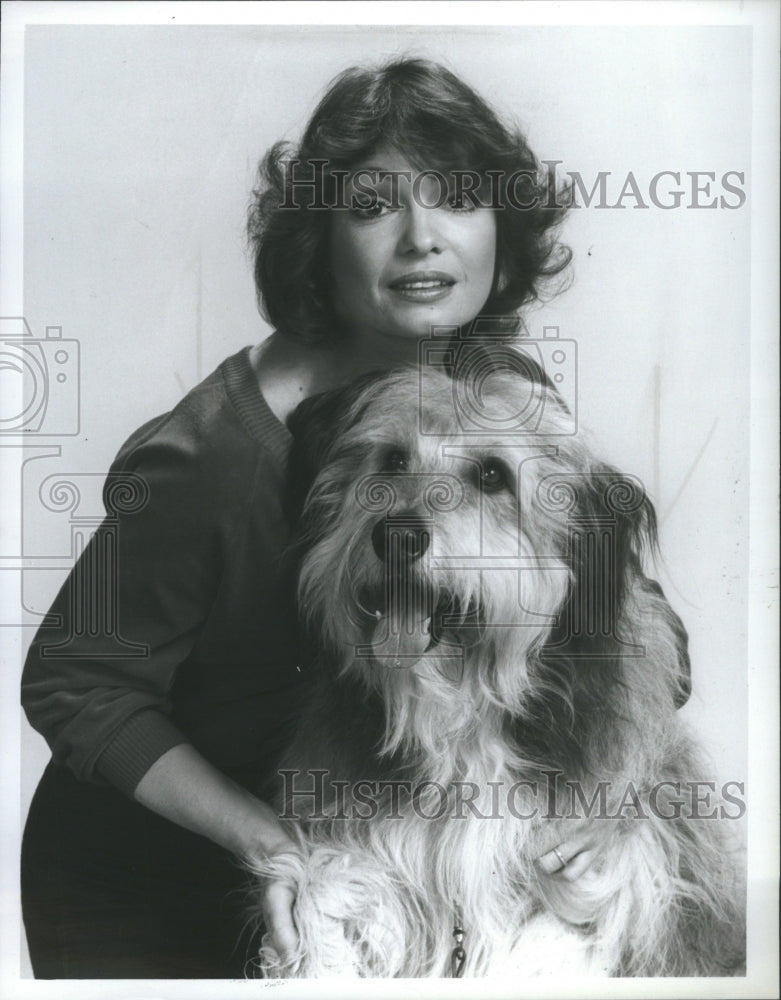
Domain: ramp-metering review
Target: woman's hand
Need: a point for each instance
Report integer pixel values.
(185, 788)
(572, 857)
(278, 894)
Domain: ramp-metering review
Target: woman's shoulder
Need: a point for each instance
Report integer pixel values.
(223, 425)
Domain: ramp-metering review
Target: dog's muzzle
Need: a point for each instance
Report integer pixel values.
(403, 537)
(408, 609)
(402, 630)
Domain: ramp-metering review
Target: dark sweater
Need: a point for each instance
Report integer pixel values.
(200, 585)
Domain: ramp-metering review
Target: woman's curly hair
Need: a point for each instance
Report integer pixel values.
(437, 122)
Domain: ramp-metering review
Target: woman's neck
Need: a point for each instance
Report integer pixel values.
(355, 355)
(289, 372)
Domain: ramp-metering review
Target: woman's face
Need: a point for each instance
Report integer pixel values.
(400, 267)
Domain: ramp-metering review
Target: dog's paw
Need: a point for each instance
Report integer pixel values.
(348, 913)
(330, 958)
(347, 916)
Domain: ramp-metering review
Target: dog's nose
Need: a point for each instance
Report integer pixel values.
(409, 535)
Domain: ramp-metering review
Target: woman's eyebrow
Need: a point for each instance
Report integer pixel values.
(382, 172)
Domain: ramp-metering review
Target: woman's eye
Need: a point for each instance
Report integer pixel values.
(372, 209)
(395, 461)
(460, 204)
(493, 476)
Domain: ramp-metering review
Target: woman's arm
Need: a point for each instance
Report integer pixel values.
(109, 717)
(99, 673)
(185, 788)
(182, 786)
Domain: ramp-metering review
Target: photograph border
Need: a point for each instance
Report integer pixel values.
(763, 766)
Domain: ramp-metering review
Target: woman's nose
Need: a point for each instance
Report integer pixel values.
(419, 233)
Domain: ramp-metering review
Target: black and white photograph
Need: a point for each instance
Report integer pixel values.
(389, 458)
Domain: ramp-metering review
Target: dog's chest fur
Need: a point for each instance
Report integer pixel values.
(462, 850)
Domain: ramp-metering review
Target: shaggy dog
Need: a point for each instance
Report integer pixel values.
(491, 668)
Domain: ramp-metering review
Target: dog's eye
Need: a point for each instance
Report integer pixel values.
(395, 461)
(493, 476)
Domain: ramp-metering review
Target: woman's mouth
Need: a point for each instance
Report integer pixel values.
(423, 286)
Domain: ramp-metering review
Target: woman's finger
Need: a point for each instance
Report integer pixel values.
(588, 836)
(584, 838)
(575, 854)
(560, 861)
(278, 912)
(577, 866)
(553, 861)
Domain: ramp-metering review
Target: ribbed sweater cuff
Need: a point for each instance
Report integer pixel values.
(142, 740)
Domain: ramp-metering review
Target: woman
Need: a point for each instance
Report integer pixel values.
(129, 853)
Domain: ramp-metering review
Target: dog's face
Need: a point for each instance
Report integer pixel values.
(479, 578)
(430, 536)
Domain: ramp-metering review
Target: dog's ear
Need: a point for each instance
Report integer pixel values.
(611, 528)
(315, 425)
(681, 641)
(617, 506)
(636, 539)
(612, 531)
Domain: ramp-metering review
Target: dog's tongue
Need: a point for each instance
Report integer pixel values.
(400, 640)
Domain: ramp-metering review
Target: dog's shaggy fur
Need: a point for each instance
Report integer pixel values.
(482, 619)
